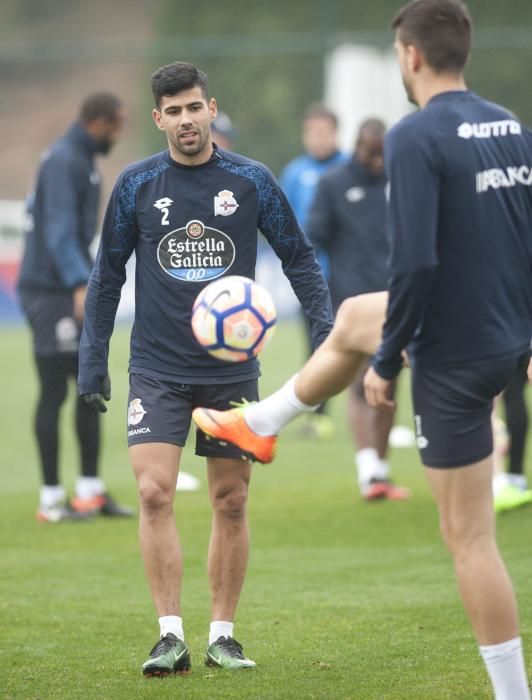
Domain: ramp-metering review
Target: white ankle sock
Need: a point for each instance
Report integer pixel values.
(499, 482)
(506, 668)
(370, 466)
(172, 624)
(89, 486)
(269, 416)
(51, 496)
(384, 469)
(220, 628)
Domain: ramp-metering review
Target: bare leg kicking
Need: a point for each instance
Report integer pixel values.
(333, 367)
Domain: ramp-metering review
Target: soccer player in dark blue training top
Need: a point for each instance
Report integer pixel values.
(190, 214)
(63, 214)
(460, 301)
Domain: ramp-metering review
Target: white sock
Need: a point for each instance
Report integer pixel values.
(220, 628)
(172, 624)
(369, 466)
(499, 482)
(506, 668)
(269, 416)
(89, 486)
(384, 469)
(51, 496)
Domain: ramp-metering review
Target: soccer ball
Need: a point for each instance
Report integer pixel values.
(233, 318)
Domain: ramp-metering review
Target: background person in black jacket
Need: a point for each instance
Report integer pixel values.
(347, 222)
(62, 214)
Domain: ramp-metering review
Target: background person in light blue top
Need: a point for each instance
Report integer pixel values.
(300, 176)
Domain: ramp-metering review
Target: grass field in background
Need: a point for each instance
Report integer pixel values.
(343, 599)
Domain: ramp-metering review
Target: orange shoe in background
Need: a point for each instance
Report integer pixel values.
(384, 490)
(104, 504)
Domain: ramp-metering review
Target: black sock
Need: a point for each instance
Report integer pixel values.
(53, 375)
(516, 419)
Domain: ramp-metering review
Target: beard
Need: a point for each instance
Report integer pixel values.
(191, 149)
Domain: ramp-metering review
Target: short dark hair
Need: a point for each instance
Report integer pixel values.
(176, 77)
(320, 111)
(100, 104)
(373, 126)
(440, 29)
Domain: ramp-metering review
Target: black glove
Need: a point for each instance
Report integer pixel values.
(97, 401)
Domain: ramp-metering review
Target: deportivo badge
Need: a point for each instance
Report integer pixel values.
(225, 204)
(135, 412)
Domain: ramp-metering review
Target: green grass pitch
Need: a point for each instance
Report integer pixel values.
(343, 599)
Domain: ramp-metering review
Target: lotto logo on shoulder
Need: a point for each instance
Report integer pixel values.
(487, 130)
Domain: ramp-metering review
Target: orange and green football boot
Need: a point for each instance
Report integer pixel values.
(231, 426)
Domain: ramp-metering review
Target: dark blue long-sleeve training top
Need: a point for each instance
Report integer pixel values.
(62, 215)
(460, 220)
(347, 220)
(189, 225)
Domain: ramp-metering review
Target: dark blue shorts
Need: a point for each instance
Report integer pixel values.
(452, 408)
(51, 317)
(161, 411)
